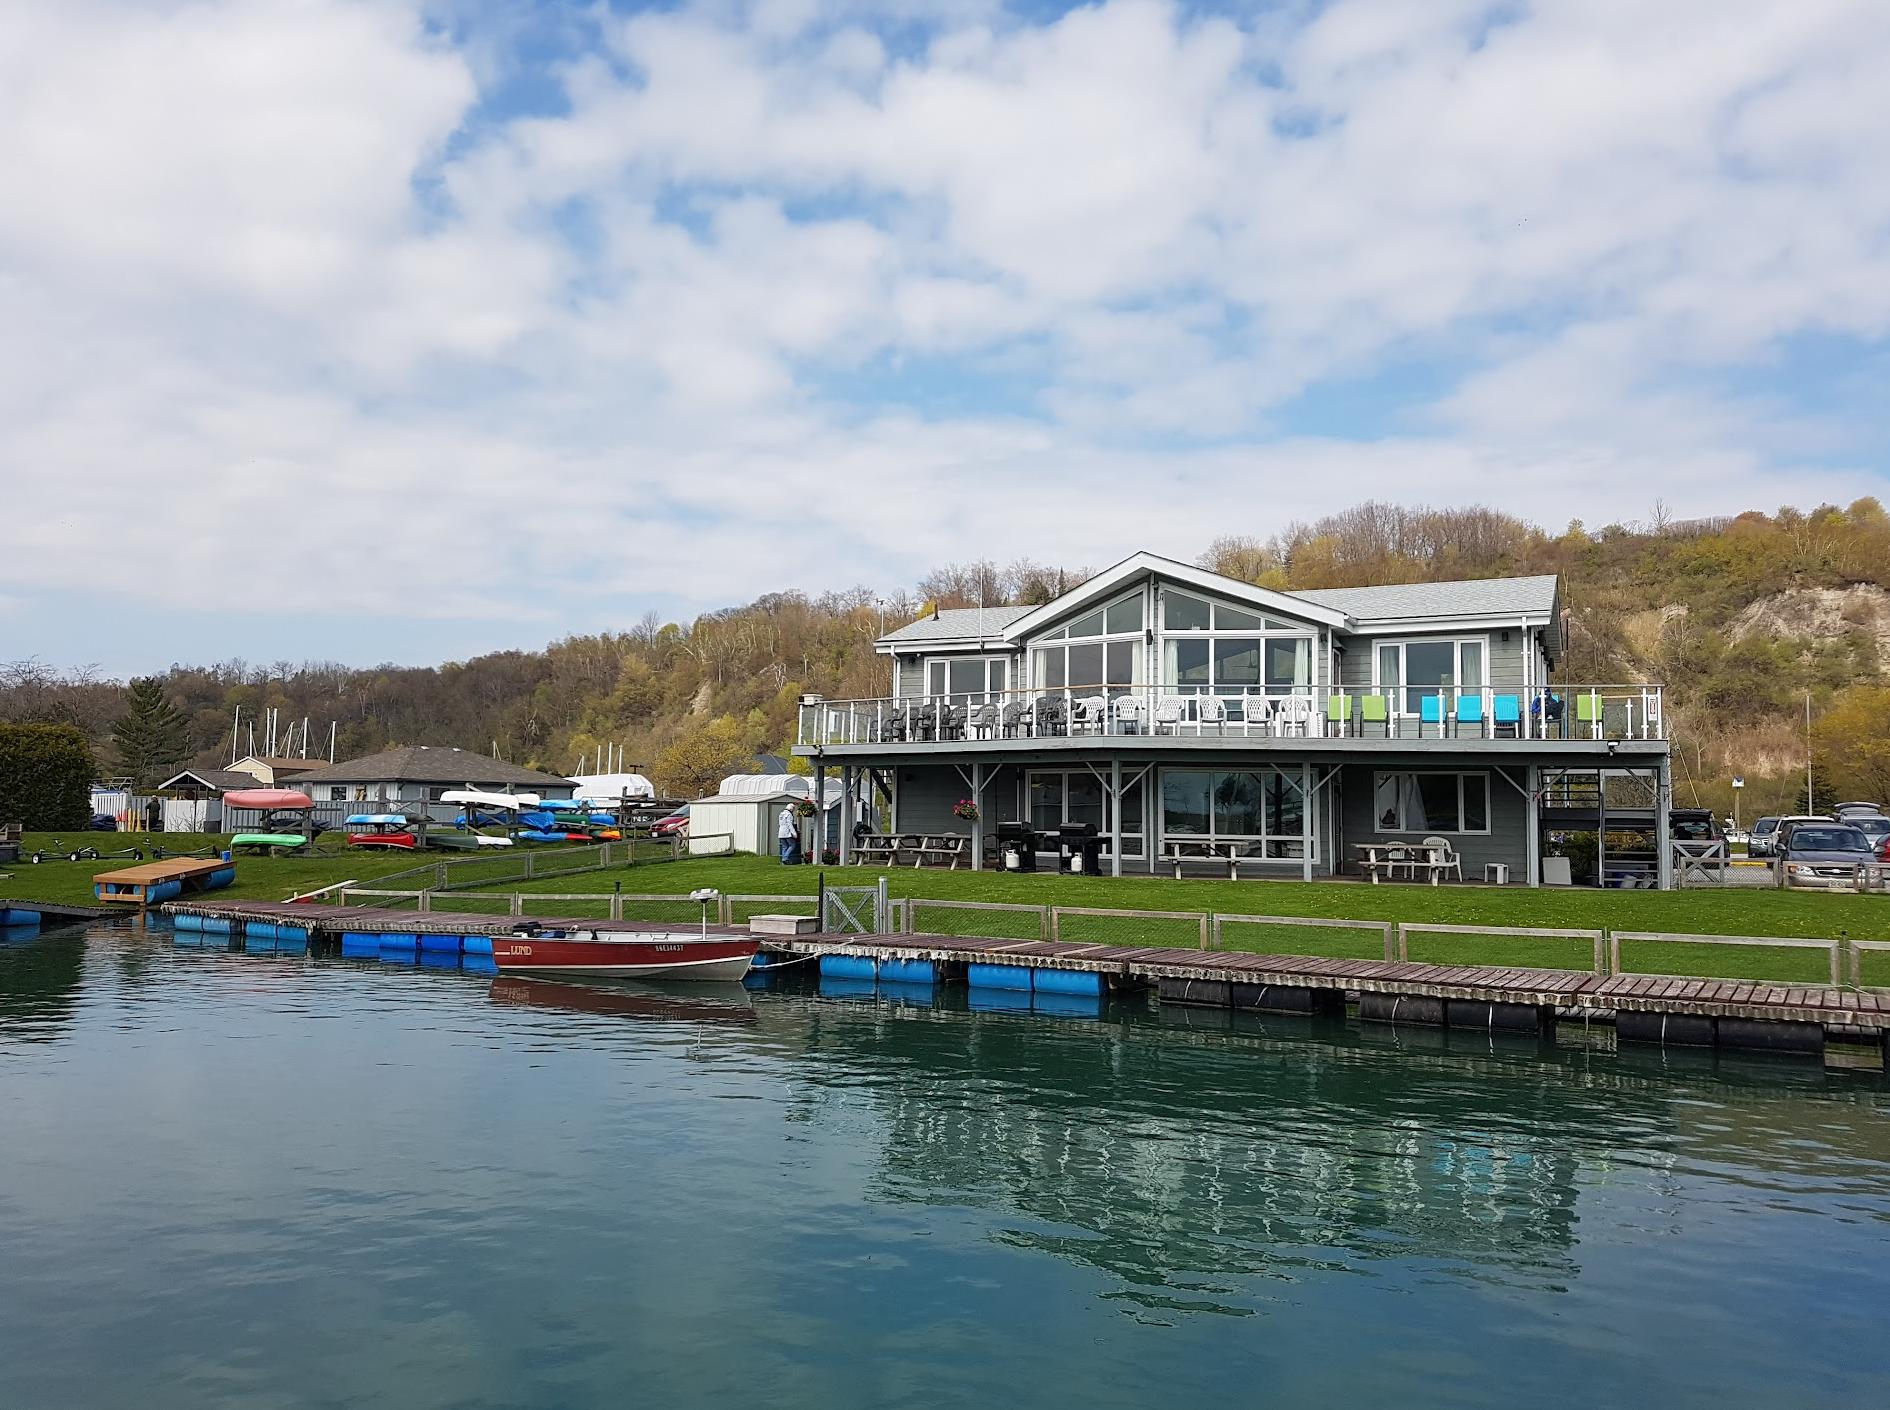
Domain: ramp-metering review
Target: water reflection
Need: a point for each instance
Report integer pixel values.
(40, 976)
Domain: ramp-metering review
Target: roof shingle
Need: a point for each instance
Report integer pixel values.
(420, 763)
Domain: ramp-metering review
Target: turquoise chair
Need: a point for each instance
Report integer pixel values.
(1506, 713)
(1431, 712)
(1470, 712)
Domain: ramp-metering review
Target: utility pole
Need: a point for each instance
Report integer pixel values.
(1809, 801)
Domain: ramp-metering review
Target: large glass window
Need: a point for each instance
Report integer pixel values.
(1096, 652)
(1058, 796)
(966, 678)
(1262, 808)
(1429, 668)
(1216, 648)
(1431, 802)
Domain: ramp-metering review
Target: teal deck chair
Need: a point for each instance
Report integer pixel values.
(1506, 713)
(1470, 712)
(1431, 712)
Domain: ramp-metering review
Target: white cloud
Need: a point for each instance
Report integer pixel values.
(948, 282)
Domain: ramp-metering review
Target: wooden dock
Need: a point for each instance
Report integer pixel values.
(148, 883)
(42, 911)
(1652, 1008)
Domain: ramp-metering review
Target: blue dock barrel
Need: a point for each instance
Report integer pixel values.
(908, 972)
(213, 925)
(1068, 981)
(188, 922)
(847, 967)
(219, 878)
(1002, 1000)
(475, 944)
(1066, 1005)
(259, 929)
(998, 976)
(439, 944)
(355, 942)
(164, 891)
(257, 943)
(15, 916)
(400, 940)
(439, 959)
(292, 937)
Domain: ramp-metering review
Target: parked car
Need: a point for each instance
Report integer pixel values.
(1824, 854)
(1875, 826)
(1783, 838)
(1759, 841)
(675, 825)
(1846, 811)
(1693, 825)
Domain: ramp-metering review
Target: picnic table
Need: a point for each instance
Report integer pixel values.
(945, 848)
(1386, 858)
(1196, 848)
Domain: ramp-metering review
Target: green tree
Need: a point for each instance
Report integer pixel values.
(152, 735)
(701, 759)
(1850, 748)
(45, 776)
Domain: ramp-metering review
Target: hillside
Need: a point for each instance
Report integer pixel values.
(1741, 617)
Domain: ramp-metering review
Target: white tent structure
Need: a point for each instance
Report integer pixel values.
(776, 786)
(610, 788)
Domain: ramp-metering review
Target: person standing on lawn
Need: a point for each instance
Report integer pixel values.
(790, 834)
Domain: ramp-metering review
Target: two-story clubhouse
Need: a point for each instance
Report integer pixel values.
(1194, 718)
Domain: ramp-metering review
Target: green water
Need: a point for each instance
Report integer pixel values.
(275, 1181)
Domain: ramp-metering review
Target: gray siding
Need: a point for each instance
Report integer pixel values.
(1504, 659)
(927, 792)
(1505, 842)
(911, 675)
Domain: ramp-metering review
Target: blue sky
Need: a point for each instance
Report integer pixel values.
(405, 329)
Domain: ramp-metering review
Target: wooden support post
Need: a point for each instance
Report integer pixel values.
(1305, 822)
(1663, 825)
(1532, 825)
(847, 781)
(1115, 815)
(820, 811)
(977, 823)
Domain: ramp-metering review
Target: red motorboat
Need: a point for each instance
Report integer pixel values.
(625, 954)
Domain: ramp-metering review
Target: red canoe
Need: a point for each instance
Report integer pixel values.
(627, 954)
(285, 798)
(382, 839)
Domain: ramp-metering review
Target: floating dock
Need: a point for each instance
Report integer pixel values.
(150, 883)
(29, 915)
(1660, 1009)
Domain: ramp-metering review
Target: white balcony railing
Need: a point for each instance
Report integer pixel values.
(1409, 713)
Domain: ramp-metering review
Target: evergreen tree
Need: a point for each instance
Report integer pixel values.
(152, 736)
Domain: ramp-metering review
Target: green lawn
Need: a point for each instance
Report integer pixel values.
(1734, 912)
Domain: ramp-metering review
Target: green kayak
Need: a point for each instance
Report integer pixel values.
(268, 839)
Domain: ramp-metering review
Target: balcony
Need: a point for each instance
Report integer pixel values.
(1414, 713)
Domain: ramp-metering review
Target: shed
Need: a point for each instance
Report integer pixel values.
(421, 773)
(741, 822)
(612, 788)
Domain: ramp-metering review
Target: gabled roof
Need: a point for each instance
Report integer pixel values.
(284, 765)
(1112, 580)
(1480, 597)
(221, 780)
(958, 624)
(420, 763)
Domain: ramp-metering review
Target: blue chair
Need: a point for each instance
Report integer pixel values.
(1431, 712)
(1470, 712)
(1506, 713)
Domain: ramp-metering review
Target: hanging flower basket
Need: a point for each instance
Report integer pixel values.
(803, 808)
(966, 809)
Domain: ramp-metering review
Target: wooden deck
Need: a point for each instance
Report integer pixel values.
(1701, 1011)
(132, 886)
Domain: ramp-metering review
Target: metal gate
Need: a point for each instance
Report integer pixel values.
(854, 910)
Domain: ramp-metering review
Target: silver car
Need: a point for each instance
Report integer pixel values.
(1827, 856)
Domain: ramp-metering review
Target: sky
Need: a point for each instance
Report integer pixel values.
(401, 330)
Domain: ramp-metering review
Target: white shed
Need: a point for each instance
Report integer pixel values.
(611, 788)
(773, 785)
(743, 822)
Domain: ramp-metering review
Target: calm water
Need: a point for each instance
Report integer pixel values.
(271, 1181)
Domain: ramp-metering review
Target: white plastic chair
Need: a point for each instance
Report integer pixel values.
(1168, 712)
(1445, 860)
(1128, 712)
(1209, 710)
(1094, 711)
(1293, 713)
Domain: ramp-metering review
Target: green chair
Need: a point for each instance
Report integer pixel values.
(1374, 710)
(1339, 712)
(1588, 712)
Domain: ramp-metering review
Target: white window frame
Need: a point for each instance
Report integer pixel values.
(1378, 827)
(1061, 637)
(1134, 835)
(948, 662)
(1273, 846)
(1274, 627)
(1400, 699)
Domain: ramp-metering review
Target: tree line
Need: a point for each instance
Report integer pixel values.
(691, 701)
